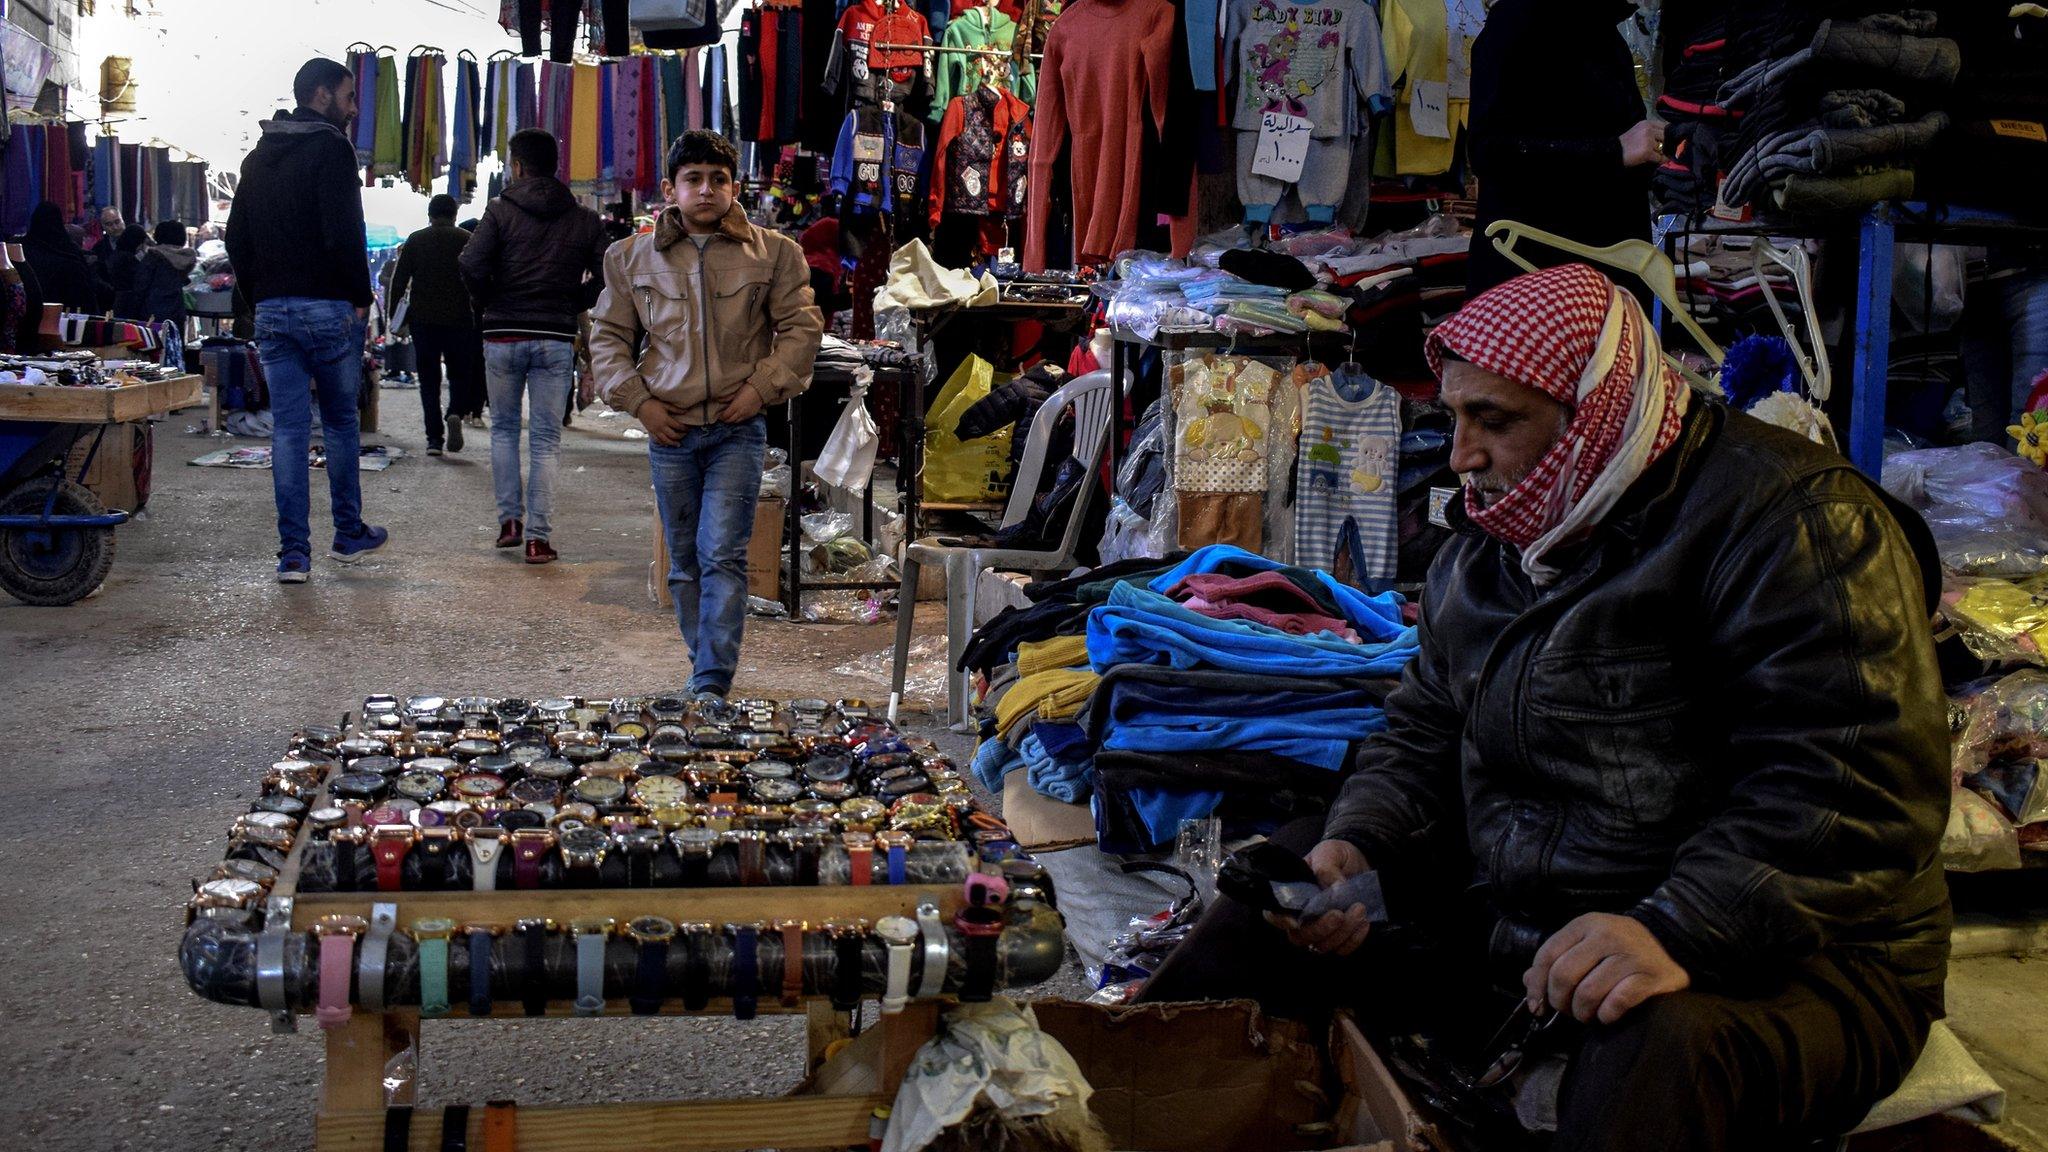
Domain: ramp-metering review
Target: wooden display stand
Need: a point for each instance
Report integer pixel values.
(354, 1097)
(60, 405)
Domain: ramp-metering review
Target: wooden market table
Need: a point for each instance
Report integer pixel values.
(56, 404)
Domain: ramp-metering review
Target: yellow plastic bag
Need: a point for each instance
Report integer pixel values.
(960, 471)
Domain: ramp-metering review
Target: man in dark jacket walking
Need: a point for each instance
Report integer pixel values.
(296, 239)
(535, 265)
(440, 321)
(1671, 763)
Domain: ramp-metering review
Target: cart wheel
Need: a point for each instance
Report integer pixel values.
(70, 563)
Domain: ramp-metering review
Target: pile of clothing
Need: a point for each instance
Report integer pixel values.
(1216, 683)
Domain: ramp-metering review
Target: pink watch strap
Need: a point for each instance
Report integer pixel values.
(337, 968)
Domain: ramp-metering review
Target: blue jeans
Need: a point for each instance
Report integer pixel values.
(2005, 345)
(706, 488)
(541, 372)
(306, 343)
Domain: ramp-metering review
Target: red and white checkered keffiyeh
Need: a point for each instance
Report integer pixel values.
(1570, 333)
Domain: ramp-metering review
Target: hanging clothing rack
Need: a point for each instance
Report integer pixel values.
(938, 48)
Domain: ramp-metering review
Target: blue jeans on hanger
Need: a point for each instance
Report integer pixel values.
(306, 344)
(706, 489)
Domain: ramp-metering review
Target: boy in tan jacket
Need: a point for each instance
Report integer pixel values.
(729, 328)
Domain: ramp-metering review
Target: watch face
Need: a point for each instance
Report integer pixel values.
(471, 749)
(497, 762)
(652, 929)
(531, 816)
(361, 746)
(694, 841)
(381, 765)
(585, 753)
(583, 813)
(252, 870)
(661, 791)
(551, 769)
(229, 894)
(599, 790)
(832, 792)
(357, 786)
(477, 785)
(441, 764)
(769, 770)
(863, 810)
(631, 729)
(776, 791)
(421, 786)
(534, 790)
(512, 709)
(425, 705)
(581, 841)
(897, 930)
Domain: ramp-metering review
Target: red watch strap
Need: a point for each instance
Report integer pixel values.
(792, 965)
(860, 863)
(390, 855)
(501, 1126)
(337, 969)
(526, 860)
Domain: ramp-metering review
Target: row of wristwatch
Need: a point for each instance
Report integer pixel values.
(653, 960)
(396, 856)
(637, 715)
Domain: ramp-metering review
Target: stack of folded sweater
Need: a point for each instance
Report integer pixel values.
(1213, 683)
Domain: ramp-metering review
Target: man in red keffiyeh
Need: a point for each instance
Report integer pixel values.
(1668, 774)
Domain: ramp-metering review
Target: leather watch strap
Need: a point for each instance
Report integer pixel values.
(899, 864)
(270, 985)
(398, 1128)
(370, 961)
(479, 973)
(898, 980)
(981, 928)
(860, 864)
(807, 852)
(696, 869)
(746, 972)
(347, 862)
(792, 963)
(938, 951)
(639, 866)
(753, 857)
(590, 974)
(455, 1128)
(433, 954)
(526, 857)
(501, 1126)
(483, 862)
(650, 977)
(534, 989)
(846, 970)
(337, 966)
(696, 969)
(390, 853)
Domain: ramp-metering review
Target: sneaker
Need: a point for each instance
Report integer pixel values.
(540, 552)
(707, 695)
(510, 533)
(455, 435)
(348, 550)
(293, 568)
(433, 449)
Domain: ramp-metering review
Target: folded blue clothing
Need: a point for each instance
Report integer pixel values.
(994, 760)
(1201, 290)
(1313, 727)
(1163, 810)
(1137, 626)
(1069, 779)
(1057, 736)
(1375, 617)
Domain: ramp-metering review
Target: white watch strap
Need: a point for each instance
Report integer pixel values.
(898, 993)
(483, 859)
(937, 951)
(590, 974)
(370, 959)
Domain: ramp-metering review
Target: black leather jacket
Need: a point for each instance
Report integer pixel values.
(1725, 721)
(536, 262)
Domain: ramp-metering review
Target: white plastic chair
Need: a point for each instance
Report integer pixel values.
(1090, 398)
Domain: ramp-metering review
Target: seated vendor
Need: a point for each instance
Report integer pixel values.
(1671, 764)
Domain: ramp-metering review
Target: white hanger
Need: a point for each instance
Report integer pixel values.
(1640, 259)
(1812, 360)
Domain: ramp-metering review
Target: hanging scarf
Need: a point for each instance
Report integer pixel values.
(389, 155)
(586, 149)
(1569, 333)
(526, 95)
(364, 67)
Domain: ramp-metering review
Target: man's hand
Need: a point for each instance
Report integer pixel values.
(1642, 144)
(660, 422)
(744, 405)
(1335, 933)
(1601, 965)
(363, 315)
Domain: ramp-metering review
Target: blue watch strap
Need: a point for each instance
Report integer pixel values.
(479, 973)
(746, 972)
(590, 974)
(899, 858)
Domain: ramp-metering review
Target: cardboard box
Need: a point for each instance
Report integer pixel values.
(764, 555)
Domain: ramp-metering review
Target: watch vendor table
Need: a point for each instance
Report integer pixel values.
(252, 946)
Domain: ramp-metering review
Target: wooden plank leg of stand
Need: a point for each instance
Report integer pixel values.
(356, 1054)
(825, 1026)
(902, 1035)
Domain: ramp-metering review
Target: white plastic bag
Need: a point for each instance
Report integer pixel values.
(848, 459)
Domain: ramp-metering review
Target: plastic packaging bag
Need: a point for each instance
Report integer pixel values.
(1978, 838)
(848, 458)
(2007, 721)
(969, 471)
(2001, 621)
(1988, 508)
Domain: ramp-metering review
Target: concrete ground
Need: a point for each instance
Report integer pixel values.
(144, 716)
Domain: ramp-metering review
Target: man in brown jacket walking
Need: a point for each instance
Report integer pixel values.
(730, 328)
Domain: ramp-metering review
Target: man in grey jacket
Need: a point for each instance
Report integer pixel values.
(535, 265)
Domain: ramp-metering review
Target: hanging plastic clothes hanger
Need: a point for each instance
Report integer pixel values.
(1640, 259)
(1810, 356)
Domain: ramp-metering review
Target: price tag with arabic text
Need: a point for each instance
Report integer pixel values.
(1283, 146)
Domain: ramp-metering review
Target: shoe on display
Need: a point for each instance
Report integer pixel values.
(510, 533)
(293, 568)
(540, 552)
(454, 434)
(349, 549)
